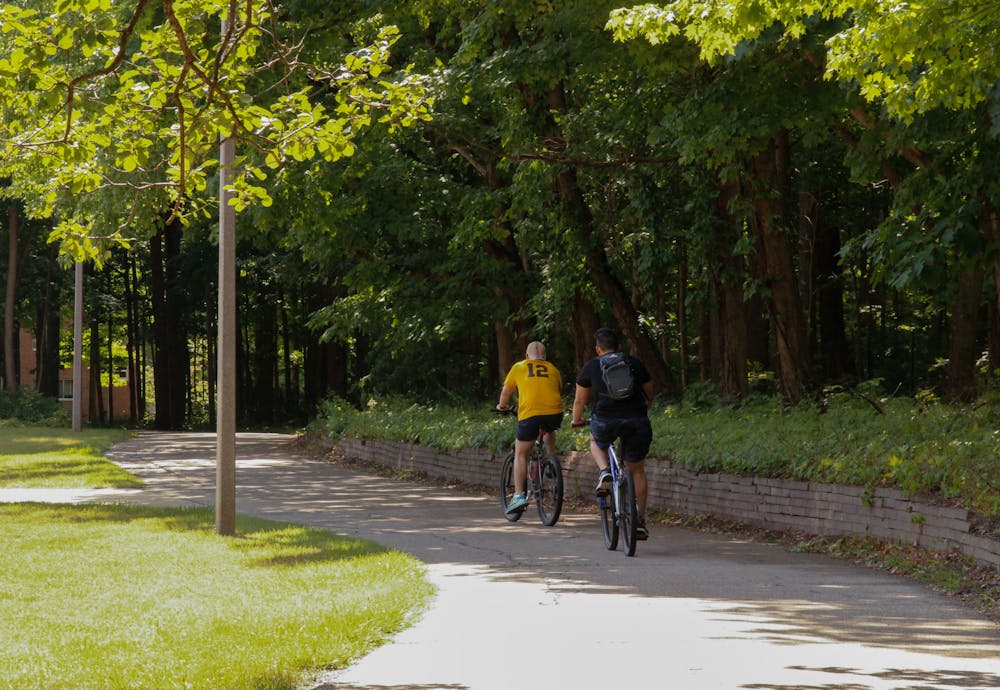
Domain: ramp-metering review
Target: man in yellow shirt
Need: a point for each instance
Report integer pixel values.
(539, 406)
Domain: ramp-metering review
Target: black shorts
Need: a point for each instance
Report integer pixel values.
(528, 428)
(636, 434)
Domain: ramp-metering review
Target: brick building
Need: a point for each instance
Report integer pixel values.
(29, 366)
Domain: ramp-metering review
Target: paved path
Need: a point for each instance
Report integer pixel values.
(525, 606)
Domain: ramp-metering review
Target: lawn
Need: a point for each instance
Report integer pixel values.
(42, 457)
(115, 596)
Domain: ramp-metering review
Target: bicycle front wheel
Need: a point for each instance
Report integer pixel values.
(507, 488)
(629, 516)
(549, 496)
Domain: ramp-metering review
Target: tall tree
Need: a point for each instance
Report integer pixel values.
(10, 299)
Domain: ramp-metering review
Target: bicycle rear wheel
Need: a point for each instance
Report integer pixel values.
(629, 516)
(609, 523)
(507, 488)
(549, 491)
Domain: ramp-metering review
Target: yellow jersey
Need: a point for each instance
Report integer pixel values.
(539, 387)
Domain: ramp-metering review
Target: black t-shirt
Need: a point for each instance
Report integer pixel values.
(605, 405)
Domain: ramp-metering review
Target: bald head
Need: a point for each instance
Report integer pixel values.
(535, 350)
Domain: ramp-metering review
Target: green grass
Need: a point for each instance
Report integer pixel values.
(110, 596)
(922, 447)
(42, 457)
(941, 450)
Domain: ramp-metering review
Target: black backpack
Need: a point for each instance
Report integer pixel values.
(617, 375)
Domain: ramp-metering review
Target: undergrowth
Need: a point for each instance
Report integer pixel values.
(923, 447)
(27, 406)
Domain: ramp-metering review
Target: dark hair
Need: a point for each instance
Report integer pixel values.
(606, 339)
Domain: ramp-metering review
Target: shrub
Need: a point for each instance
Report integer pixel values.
(853, 437)
(30, 406)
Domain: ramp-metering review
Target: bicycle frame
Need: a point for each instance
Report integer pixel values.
(616, 473)
(623, 516)
(544, 483)
(536, 454)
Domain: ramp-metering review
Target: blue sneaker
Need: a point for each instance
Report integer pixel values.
(517, 503)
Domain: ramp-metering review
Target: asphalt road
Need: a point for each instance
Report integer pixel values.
(525, 606)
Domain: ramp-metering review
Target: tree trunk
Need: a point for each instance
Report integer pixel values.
(511, 338)
(834, 347)
(170, 352)
(682, 341)
(710, 332)
(161, 377)
(585, 325)
(131, 341)
(161, 335)
(993, 337)
(291, 394)
(622, 308)
(178, 356)
(265, 357)
(787, 319)
(111, 354)
(211, 367)
(991, 230)
(963, 350)
(10, 301)
(759, 350)
(505, 348)
(47, 337)
(706, 325)
(96, 412)
(142, 329)
(48, 352)
(728, 275)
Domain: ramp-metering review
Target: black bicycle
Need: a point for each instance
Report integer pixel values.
(545, 484)
(619, 511)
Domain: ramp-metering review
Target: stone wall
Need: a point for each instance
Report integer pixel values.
(815, 508)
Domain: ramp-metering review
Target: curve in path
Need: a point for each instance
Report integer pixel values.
(528, 606)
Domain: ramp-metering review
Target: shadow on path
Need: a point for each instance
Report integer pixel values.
(806, 620)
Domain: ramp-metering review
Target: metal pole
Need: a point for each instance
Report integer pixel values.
(78, 348)
(225, 452)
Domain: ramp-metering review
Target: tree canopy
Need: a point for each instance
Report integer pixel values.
(758, 195)
(113, 111)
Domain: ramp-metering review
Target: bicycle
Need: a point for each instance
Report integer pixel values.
(545, 483)
(618, 508)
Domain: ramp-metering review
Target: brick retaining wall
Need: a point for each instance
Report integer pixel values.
(821, 509)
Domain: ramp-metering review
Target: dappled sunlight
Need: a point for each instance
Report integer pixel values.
(88, 590)
(663, 636)
(29, 441)
(687, 600)
(26, 463)
(255, 463)
(28, 495)
(451, 499)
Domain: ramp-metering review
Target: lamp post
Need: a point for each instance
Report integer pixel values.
(78, 348)
(225, 429)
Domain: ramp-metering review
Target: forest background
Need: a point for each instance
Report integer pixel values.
(790, 199)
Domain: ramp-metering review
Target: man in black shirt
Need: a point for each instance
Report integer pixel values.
(617, 417)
